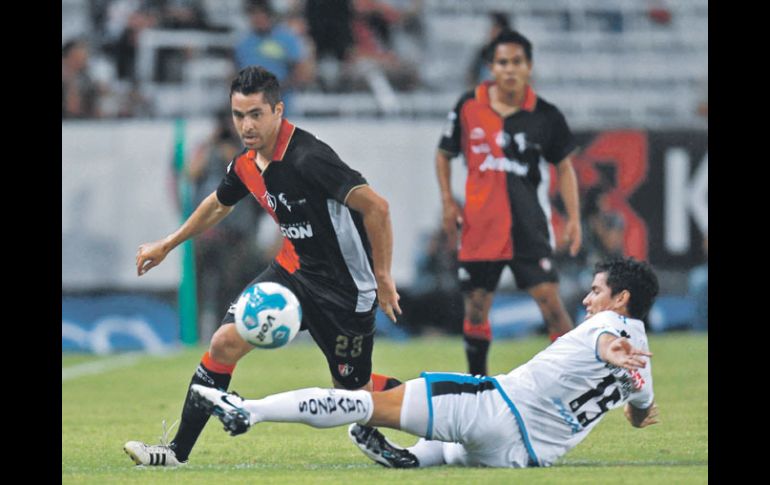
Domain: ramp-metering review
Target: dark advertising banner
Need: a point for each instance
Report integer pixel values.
(651, 188)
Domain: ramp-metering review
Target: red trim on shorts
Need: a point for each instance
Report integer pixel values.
(215, 366)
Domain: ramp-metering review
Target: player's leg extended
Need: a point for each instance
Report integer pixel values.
(557, 320)
(214, 371)
(403, 407)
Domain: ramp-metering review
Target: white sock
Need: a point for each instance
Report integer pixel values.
(430, 453)
(320, 408)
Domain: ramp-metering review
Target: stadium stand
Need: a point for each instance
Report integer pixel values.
(630, 62)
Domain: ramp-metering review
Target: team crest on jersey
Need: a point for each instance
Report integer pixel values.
(477, 134)
(521, 141)
(523, 144)
(345, 369)
(270, 200)
(502, 139)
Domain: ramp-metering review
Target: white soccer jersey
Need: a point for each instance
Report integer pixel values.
(565, 390)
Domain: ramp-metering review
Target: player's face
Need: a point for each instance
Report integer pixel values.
(254, 120)
(600, 297)
(510, 67)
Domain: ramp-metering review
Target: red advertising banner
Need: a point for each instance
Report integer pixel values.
(643, 192)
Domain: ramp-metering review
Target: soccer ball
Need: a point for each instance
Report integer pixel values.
(267, 315)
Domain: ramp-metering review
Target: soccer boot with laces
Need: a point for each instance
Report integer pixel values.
(228, 407)
(374, 445)
(153, 455)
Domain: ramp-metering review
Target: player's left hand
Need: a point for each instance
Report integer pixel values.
(621, 353)
(388, 297)
(573, 234)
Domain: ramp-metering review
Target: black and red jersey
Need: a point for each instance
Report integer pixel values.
(507, 212)
(304, 188)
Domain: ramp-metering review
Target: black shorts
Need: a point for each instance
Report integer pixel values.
(345, 337)
(486, 274)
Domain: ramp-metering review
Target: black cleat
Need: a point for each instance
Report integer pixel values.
(374, 445)
(226, 406)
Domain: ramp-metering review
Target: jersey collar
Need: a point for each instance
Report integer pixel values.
(285, 133)
(530, 97)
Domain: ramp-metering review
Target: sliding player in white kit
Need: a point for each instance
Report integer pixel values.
(529, 417)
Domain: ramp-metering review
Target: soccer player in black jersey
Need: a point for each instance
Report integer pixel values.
(336, 254)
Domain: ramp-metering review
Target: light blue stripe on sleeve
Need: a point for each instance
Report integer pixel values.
(596, 344)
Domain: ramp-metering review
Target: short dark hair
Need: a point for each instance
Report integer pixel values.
(509, 37)
(257, 79)
(260, 5)
(635, 276)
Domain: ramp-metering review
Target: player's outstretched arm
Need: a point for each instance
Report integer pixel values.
(376, 213)
(619, 352)
(639, 418)
(206, 215)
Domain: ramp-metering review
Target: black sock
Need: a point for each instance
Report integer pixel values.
(476, 351)
(194, 419)
(391, 383)
(386, 382)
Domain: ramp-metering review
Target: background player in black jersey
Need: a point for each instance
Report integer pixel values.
(336, 260)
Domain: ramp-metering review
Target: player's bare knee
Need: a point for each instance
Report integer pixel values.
(227, 346)
(476, 306)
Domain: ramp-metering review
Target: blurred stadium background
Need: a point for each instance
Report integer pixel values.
(144, 83)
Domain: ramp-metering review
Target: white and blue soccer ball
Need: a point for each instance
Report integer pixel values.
(268, 315)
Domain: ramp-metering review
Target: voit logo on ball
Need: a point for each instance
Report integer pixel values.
(267, 315)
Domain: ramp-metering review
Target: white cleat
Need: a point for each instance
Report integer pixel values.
(151, 455)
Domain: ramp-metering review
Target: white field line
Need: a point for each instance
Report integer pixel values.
(104, 365)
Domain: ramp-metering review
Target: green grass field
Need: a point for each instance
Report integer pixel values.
(101, 410)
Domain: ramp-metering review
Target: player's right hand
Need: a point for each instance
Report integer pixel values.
(388, 297)
(150, 255)
(452, 219)
(641, 418)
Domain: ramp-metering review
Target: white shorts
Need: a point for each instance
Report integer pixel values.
(474, 418)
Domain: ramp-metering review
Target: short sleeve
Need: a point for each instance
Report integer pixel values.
(450, 141)
(561, 142)
(327, 171)
(590, 330)
(231, 189)
(597, 331)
